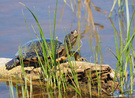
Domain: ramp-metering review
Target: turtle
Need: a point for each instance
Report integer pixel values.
(30, 57)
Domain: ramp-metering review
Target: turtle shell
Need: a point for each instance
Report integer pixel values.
(29, 49)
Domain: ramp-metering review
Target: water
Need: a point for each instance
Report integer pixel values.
(13, 30)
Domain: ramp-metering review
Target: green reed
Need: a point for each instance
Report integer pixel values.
(45, 50)
(46, 67)
(24, 86)
(50, 74)
(124, 44)
(11, 91)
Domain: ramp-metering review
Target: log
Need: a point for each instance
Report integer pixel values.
(85, 72)
(80, 67)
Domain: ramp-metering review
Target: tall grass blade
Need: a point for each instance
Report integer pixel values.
(112, 8)
(11, 89)
(75, 89)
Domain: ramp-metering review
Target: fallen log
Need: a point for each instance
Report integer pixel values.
(86, 72)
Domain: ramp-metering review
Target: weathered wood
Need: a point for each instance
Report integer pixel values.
(81, 67)
(85, 71)
(15, 73)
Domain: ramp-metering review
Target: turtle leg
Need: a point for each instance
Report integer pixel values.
(11, 64)
(77, 56)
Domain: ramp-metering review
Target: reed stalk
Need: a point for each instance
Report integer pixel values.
(124, 45)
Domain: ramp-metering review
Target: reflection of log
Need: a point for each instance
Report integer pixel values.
(85, 71)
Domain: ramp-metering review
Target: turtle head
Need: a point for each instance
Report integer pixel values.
(71, 38)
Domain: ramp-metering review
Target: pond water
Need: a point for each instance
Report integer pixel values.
(13, 29)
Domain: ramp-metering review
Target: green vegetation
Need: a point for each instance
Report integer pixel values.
(124, 38)
(125, 55)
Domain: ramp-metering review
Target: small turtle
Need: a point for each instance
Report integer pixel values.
(29, 54)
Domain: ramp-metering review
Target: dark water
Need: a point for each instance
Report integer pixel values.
(13, 30)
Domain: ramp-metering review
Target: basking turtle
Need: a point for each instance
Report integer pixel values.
(29, 54)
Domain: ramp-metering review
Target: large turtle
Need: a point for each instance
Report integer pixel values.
(29, 54)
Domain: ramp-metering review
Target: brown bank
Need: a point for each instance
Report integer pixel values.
(82, 70)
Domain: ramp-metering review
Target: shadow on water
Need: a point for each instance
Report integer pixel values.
(88, 17)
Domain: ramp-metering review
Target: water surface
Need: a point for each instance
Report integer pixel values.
(13, 31)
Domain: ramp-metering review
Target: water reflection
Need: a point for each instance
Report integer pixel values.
(38, 91)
